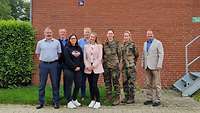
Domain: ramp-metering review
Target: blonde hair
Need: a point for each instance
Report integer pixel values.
(88, 28)
(62, 29)
(129, 34)
(95, 34)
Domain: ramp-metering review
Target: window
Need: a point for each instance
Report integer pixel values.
(81, 2)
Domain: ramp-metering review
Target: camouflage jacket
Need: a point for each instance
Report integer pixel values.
(111, 55)
(129, 54)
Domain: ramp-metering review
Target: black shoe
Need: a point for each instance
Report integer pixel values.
(40, 106)
(148, 102)
(56, 106)
(156, 104)
(130, 101)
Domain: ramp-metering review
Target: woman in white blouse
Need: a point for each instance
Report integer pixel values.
(93, 67)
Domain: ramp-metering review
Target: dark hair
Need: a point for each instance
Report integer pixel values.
(69, 43)
(113, 33)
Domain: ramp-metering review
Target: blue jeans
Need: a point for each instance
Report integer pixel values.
(45, 69)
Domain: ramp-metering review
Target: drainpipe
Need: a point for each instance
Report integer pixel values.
(30, 11)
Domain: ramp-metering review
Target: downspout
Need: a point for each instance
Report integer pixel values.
(30, 12)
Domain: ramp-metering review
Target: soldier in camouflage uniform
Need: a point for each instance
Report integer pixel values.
(129, 58)
(111, 59)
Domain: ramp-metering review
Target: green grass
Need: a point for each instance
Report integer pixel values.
(29, 95)
(196, 96)
(26, 95)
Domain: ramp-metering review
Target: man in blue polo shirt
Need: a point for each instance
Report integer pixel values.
(82, 42)
(48, 50)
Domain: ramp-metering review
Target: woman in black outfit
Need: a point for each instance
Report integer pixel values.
(73, 65)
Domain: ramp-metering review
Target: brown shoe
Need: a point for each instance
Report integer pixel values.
(116, 101)
(124, 101)
(130, 101)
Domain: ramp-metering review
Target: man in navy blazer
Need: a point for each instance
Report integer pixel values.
(63, 42)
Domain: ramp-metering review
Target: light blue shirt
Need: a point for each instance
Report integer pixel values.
(64, 42)
(149, 42)
(82, 42)
(48, 49)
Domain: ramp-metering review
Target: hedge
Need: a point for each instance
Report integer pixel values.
(16, 53)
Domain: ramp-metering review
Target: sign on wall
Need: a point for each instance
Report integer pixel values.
(195, 19)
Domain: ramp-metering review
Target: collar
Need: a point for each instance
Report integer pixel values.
(128, 42)
(93, 44)
(62, 38)
(85, 39)
(150, 40)
(52, 39)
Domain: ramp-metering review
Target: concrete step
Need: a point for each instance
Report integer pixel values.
(196, 74)
(188, 84)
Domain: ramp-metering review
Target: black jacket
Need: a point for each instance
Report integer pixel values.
(70, 61)
(61, 57)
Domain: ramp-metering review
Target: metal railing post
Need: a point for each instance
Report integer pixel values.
(187, 64)
(186, 60)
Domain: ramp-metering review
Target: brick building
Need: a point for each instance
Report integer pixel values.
(171, 21)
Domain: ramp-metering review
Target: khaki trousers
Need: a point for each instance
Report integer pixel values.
(152, 85)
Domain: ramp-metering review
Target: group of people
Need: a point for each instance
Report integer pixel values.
(85, 58)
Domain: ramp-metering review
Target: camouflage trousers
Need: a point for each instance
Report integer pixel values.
(129, 77)
(111, 79)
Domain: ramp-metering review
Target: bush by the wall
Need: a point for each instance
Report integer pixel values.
(16, 53)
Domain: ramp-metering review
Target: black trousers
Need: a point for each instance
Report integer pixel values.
(70, 77)
(60, 69)
(83, 84)
(94, 90)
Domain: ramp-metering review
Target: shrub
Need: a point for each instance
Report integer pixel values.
(16, 53)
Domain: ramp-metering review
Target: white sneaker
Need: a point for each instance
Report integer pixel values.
(97, 105)
(76, 103)
(91, 105)
(71, 105)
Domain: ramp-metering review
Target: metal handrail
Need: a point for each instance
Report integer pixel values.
(194, 60)
(186, 55)
(193, 41)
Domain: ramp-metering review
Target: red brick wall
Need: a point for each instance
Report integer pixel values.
(171, 21)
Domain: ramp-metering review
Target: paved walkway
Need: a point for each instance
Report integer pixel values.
(172, 102)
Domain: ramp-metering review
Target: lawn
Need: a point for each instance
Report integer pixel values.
(196, 96)
(29, 95)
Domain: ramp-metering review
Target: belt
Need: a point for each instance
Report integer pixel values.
(50, 62)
